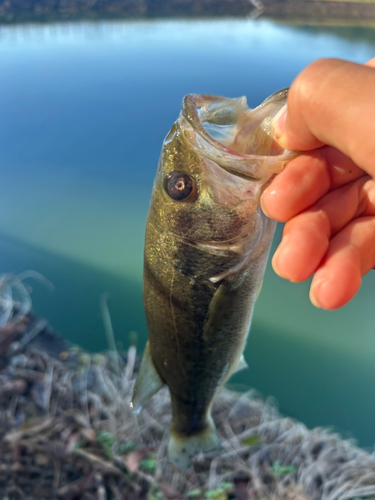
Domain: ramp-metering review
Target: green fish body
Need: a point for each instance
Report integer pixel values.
(206, 247)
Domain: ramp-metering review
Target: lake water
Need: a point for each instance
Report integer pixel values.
(85, 107)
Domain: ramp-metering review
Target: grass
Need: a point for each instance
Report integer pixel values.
(67, 432)
(83, 439)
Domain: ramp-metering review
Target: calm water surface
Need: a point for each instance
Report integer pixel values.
(85, 107)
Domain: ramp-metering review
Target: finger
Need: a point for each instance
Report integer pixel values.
(305, 180)
(351, 255)
(370, 63)
(341, 169)
(306, 237)
(304, 243)
(333, 102)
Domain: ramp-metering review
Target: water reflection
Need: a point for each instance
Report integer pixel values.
(85, 107)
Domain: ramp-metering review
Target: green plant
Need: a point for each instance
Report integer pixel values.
(125, 448)
(278, 469)
(148, 465)
(105, 440)
(226, 486)
(218, 494)
(255, 440)
(194, 493)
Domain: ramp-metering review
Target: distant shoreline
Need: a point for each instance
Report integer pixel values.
(327, 12)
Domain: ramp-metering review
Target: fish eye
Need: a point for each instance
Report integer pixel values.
(180, 186)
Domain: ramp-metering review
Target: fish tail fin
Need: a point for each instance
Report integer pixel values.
(181, 449)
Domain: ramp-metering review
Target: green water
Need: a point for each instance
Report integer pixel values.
(85, 107)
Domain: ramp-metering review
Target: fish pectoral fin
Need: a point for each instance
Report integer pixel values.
(220, 306)
(241, 365)
(148, 382)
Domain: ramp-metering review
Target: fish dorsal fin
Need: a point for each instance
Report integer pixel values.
(148, 382)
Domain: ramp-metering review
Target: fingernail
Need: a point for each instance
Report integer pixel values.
(313, 298)
(279, 126)
(275, 267)
(318, 280)
(279, 122)
(278, 255)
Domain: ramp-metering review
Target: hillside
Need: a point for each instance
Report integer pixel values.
(331, 11)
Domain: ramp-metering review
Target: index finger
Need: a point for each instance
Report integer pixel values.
(305, 180)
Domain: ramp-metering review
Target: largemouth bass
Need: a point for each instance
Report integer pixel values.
(207, 243)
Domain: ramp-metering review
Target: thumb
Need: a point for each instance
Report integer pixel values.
(332, 102)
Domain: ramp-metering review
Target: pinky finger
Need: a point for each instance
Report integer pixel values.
(351, 254)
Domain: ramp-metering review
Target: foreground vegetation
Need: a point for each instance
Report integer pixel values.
(67, 431)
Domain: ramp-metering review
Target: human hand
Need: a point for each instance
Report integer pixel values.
(326, 195)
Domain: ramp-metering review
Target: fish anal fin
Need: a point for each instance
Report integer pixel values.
(259, 289)
(148, 382)
(241, 365)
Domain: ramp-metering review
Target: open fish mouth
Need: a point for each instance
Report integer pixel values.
(235, 137)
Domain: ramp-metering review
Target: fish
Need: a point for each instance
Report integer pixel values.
(206, 247)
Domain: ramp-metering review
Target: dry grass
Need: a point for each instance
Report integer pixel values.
(67, 431)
